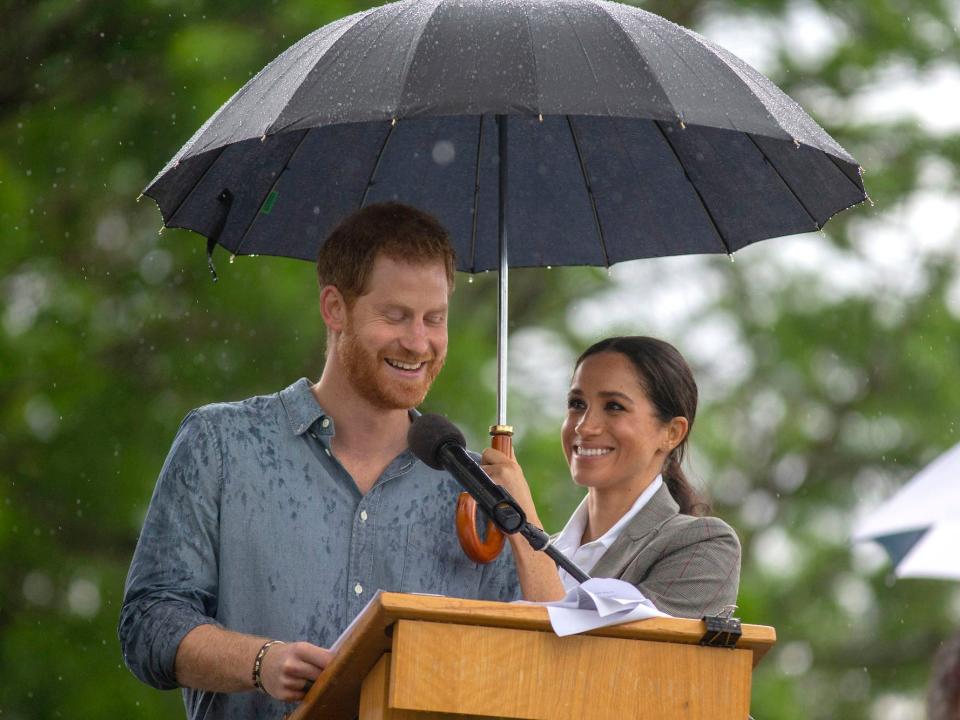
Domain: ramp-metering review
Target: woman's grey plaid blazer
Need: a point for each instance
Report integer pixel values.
(688, 566)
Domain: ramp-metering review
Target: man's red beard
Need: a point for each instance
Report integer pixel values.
(363, 372)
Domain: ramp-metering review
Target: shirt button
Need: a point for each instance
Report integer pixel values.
(325, 423)
(358, 588)
(363, 515)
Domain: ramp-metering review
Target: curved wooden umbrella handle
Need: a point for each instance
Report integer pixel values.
(482, 551)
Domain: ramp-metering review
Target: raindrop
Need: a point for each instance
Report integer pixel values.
(155, 266)
(83, 597)
(443, 152)
(38, 588)
(41, 417)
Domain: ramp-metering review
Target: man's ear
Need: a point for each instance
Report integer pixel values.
(333, 308)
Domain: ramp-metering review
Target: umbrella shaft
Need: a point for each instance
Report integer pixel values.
(502, 297)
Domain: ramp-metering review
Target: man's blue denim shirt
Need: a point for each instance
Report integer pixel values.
(256, 527)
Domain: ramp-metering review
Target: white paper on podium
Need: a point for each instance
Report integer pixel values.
(599, 602)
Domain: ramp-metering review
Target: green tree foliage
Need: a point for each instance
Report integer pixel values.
(828, 373)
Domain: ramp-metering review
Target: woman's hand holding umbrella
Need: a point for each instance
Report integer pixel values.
(539, 580)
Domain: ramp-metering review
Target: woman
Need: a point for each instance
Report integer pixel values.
(631, 405)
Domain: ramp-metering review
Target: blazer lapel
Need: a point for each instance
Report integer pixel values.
(638, 533)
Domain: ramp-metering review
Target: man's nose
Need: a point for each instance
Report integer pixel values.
(416, 339)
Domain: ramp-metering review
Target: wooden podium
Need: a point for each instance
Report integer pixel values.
(424, 657)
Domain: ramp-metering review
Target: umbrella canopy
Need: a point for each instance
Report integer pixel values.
(629, 137)
(919, 526)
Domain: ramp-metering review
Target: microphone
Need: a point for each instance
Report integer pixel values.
(440, 444)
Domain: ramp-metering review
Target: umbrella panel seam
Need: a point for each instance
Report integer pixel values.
(593, 201)
(703, 203)
(371, 181)
(273, 185)
(789, 187)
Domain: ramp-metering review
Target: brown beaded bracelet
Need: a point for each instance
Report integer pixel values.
(258, 664)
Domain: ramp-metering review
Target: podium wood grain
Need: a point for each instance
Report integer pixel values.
(537, 675)
(336, 694)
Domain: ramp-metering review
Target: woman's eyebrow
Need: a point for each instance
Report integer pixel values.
(577, 392)
(615, 394)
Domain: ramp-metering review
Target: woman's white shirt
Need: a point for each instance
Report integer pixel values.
(587, 555)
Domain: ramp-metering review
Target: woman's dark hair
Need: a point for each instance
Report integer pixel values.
(669, 385)
(943, 695)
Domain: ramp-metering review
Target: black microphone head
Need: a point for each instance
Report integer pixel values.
(430, 432)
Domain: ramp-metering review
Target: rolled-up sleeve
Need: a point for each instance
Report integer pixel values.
(172, 584)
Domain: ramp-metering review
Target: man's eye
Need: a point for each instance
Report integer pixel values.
(437, 319)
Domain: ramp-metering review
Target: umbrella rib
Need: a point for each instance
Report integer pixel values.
(412, 52)
(186, 197)
(273, 185)
(476, 199)
(593, 200)
(816, 223)
(536, 64)
(332, 55)
(843, 172)
(703, 203)
(586, 57)
(376, 164)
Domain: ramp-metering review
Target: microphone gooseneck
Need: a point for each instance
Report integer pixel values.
(439, 444)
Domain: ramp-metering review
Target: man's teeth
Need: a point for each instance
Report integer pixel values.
(404, 366)
(593, 452)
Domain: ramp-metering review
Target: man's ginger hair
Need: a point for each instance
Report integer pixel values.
(390, 229)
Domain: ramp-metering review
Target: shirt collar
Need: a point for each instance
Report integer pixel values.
(572, 534)
(302, 408)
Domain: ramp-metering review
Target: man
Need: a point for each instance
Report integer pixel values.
(277, 518)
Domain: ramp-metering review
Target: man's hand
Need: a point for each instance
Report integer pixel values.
(212, 658)
(290, 669)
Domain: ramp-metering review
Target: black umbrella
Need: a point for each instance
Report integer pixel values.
(621, 135)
